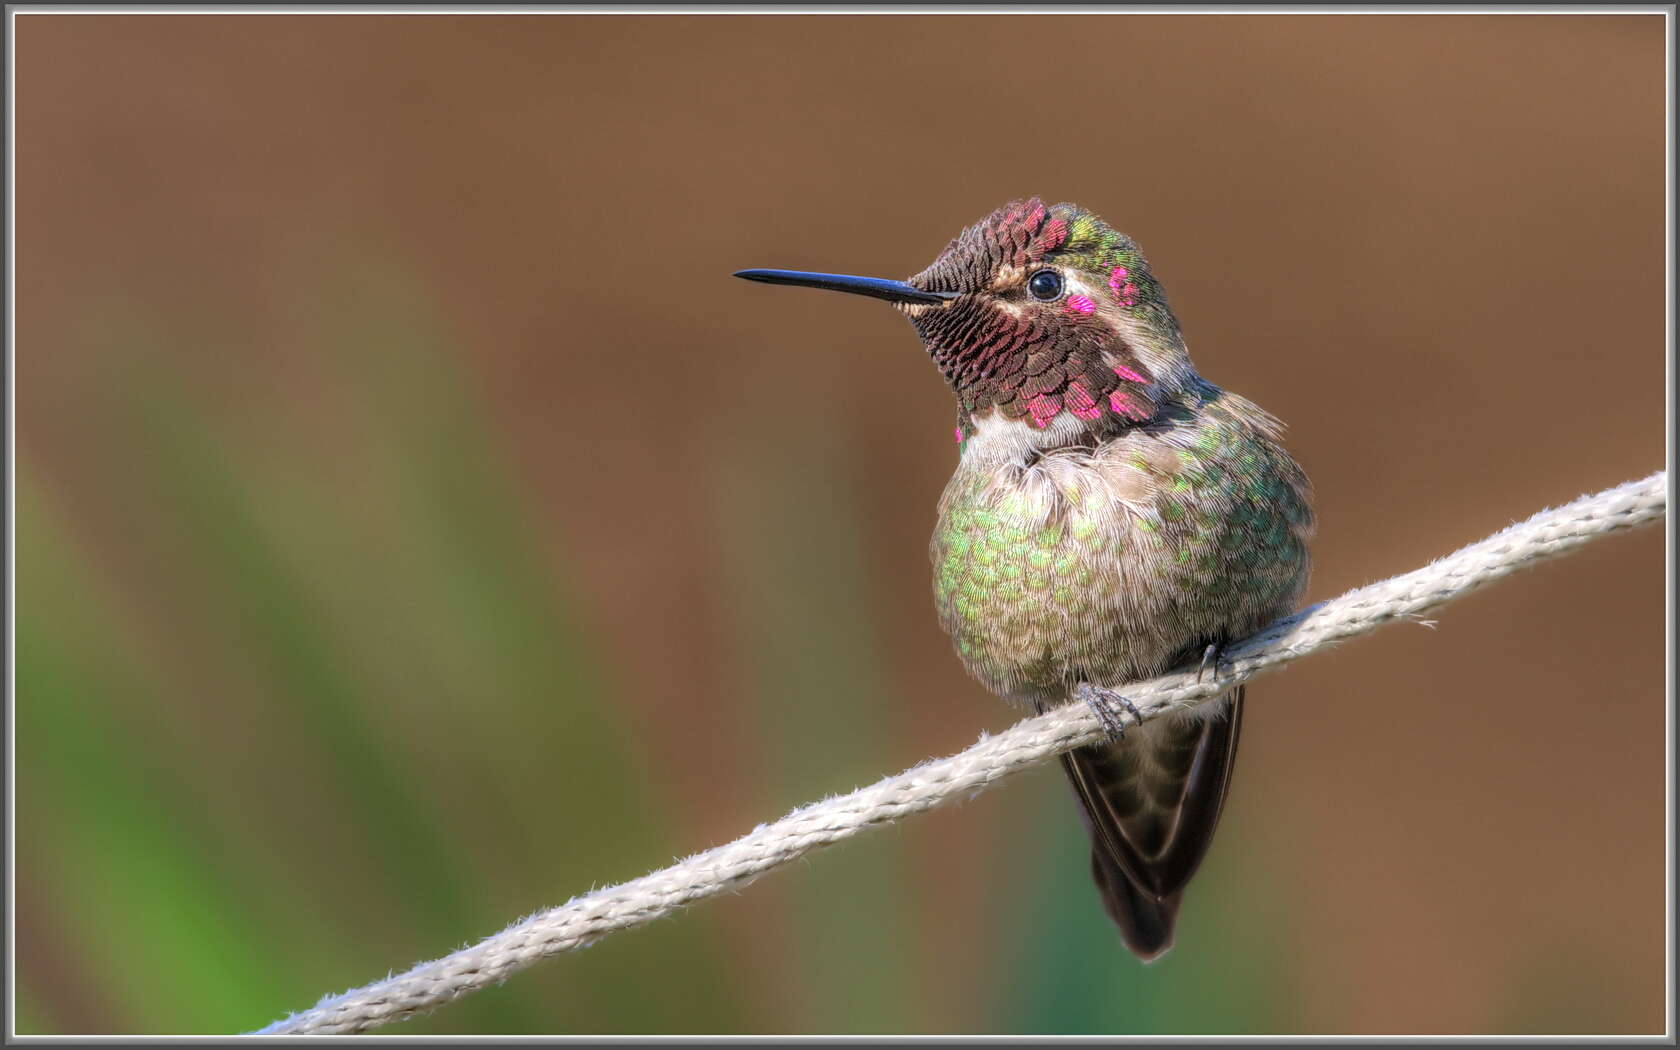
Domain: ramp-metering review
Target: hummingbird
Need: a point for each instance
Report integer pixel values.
(1112, 515)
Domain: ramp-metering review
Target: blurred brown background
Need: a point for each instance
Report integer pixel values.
(418, 525)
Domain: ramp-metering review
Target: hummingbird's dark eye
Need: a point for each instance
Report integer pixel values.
(1045, 284)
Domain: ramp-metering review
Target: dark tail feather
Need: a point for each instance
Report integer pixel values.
(1151, 803)
(1146, 921)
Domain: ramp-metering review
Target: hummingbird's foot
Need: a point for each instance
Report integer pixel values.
(1105, 704)
(1211, 657)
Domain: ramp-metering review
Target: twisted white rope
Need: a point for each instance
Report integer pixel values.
(582, 920)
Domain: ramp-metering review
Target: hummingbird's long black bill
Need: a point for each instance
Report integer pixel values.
(878, 287)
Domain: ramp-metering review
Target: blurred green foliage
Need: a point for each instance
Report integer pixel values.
(295, 637)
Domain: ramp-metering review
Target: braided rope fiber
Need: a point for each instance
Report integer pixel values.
(587, 918)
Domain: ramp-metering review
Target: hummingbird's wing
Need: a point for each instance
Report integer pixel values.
(1151, 803)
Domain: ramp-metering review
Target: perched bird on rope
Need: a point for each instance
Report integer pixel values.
(1112, 515)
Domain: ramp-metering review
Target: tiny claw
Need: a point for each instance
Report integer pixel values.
(1103, 703)
(1211, 657)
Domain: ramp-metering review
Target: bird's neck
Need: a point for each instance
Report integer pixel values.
(992, 440)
